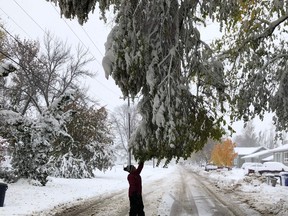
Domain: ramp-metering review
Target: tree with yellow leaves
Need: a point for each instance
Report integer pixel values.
(223, 153)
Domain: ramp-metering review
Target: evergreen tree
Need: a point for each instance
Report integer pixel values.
(34, 138)
(175, 120)
(248, 138)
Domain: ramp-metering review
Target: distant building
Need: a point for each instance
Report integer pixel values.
(259, 157)
(280, 154)
(244, 151)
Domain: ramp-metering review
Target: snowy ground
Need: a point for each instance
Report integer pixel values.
(22, 198)
(252, 190)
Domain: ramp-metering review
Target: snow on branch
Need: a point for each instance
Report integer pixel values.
(268, 31)
(10, 117)
(6, 68)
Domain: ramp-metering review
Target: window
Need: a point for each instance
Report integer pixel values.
(277, 157)
(235, 162)
(285, 160)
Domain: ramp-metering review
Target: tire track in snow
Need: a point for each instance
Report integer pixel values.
(117, 204)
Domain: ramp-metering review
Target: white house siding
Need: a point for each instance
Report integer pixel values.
(243, 151)
(281, 154)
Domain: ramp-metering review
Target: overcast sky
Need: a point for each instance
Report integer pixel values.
(31, 18)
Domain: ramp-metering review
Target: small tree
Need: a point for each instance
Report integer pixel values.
(89, 146)
(223, 153)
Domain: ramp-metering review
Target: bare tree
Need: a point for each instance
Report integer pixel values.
(45, 74)
(120, 121)
(204, 155)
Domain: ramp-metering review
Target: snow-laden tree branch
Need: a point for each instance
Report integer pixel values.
(237, 70)
(6, 69)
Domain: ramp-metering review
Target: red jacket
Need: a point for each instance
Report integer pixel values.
(135, 182)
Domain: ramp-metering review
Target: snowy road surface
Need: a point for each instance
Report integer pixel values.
(193, 198)
(188, 194)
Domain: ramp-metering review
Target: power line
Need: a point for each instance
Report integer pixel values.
(92, 41)
(86, 46)
(29, 16)
(24, 69)
(77, 35)
(88, 36)
(15, 23)
(19, 42)
(7, 56)
(71, 31)
(45, 31)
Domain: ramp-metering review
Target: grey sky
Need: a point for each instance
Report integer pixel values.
(31, 18)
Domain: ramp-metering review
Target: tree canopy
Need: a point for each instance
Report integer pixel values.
(187, 86)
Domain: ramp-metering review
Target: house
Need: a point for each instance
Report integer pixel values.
(280, 154)
(244, 151)
(259, 157)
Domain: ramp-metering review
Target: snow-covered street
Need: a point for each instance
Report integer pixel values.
(184, 194)
(160, 191)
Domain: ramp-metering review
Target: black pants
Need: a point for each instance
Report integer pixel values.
(136, 206)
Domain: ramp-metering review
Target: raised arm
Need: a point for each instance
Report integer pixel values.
(140, 167)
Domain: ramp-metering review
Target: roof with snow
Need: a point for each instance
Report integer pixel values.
(247, 150)
(259, 153)
(269, 158)
(280, 148)
(263, 152)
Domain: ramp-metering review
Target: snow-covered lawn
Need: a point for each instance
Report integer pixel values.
(23, 198)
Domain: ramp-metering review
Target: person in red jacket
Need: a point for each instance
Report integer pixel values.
(135, 190)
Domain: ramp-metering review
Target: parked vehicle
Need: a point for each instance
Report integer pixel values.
(209, 167)
(251, 167)
(252, 164)
(267, 167)
(272, 167)
(224, 168)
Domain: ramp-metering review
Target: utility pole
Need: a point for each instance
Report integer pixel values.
(129, 131)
